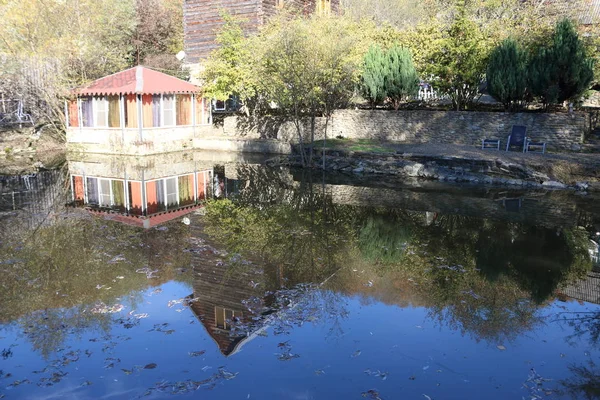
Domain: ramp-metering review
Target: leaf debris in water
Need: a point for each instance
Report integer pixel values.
(356, 354)
(378, 373)
(196, 353)
(371, 394)
(500, 347)
(150, 366)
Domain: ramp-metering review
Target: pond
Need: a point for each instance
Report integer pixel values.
(211, 276)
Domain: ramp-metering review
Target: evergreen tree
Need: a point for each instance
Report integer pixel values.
(401, 78)
(507, 74)
(562, 70)
(373, 76)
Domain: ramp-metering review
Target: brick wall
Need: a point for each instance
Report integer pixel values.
(559, 131)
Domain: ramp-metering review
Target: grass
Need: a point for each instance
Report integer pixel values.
(365, 145)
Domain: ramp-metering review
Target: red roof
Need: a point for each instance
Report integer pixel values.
(138, 80)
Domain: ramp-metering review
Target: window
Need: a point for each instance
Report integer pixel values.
(224, 316)
(202, 111)
(168, 103)
(92, 190)
(87, 112)
(100, 112)
(171, 190)
(219, 105)
(104, 193)
(114, 112)
(323, 7)
(184, 109)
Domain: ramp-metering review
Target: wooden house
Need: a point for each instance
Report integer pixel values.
(137, 111)
(202, 20)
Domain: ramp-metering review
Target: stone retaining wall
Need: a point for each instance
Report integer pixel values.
(559, 131)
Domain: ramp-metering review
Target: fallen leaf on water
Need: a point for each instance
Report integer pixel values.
(500, 347)
(425, 368)
(319, 372)
(127, 371)
(356, 354)
(427, 397)
(371, 394)
(150, 366)
(196, 353)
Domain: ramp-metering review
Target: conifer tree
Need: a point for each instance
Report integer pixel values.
(561, 70)
(507, 74)
(401, 78)
(373, 76)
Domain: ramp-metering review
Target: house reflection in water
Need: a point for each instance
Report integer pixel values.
(143, 202)
(150, 190)
(220, 293)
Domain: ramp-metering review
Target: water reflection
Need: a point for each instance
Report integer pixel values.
(347, 276)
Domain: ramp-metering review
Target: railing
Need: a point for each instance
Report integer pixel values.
(11, 112)
(427, 93)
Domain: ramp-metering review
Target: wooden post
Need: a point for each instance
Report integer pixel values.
(193, 109)
(66, 114)
(144, 199)
(79, 114)
(122, 116)
(138, 99)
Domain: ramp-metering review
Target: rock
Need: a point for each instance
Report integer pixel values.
(576, 147)
(358, 170)
(554, 185)
(428, 172)
(413, 169)
(582, 186)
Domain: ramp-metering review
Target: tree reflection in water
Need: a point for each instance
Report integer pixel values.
(584, 382)
(54, 276)
(484, 277)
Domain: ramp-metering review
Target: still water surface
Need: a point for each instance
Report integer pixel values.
(211, 276)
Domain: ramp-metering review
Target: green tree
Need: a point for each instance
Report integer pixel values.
(229, 68)
(373, 76)
(306, 67)
(561, 71)
(507, 74)
(402, 80)
(457, 62)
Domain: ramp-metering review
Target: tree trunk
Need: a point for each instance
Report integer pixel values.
(312, 136)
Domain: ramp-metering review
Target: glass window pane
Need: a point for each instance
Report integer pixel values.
(104, 193)
(92, 190)
(220, 317)
(168, 110)
(172, 195)
(86, 112)
(114, 112)
(101, 111)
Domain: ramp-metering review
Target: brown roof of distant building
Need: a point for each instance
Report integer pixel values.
(137, 80)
